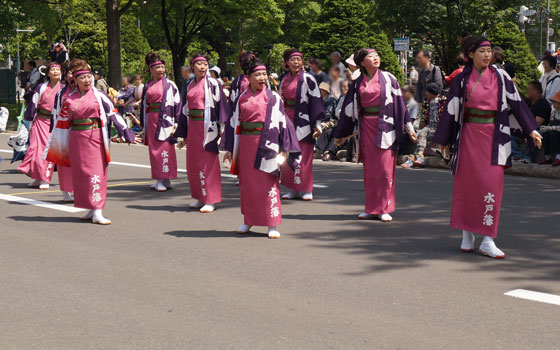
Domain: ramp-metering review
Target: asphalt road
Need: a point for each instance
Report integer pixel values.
(164, 277)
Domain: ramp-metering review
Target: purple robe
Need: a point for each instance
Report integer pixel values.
(512, 115)
(169, 112)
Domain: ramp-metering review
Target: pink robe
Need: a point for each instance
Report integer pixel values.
(301, 179)
(88, 161)
(260, 194)
(379, 164)
(163, 159)
(478, 184)
(33, 165)
(203, 167)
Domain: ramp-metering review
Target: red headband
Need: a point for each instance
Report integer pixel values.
(80, 72)
(199, 58)
(297, 53)
(371, 51)
(483, 44)
(155, 63)
(257, 68)
(54, 64)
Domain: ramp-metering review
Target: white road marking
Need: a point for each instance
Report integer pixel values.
(535, 296)
(178, 170)
(42, 204)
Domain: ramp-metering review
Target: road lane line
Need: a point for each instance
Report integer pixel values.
(40, 203)
(6, 151)
(534, 296)
(134, 165)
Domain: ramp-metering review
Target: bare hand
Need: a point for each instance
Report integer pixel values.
(413, 136)
(181, 143)
(317, 133)
(537, 139)
(227, 157)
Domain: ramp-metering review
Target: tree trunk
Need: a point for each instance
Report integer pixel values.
(114, 43)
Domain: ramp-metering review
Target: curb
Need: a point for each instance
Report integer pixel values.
(518, 168)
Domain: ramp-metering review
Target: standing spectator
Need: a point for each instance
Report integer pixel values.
(413, 76)
(541, 111)
(215, 73)
(498, 56)
(336, 60)
(461, 63)
(550, 81)
(317, 71)
(34, 75)
(100, 82)
(428, 74)
(325, 142)
(336, 82)
(407, 146)
(138, 88)
(431, 110)
(125, 97)
(551, 134)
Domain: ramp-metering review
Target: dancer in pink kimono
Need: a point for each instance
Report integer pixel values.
(39, 113)
(159, 112)
(477, 123)
(304, 106)
(64, 172)
(375, 109)
(204, 110)
(87, 114)
(257, 134)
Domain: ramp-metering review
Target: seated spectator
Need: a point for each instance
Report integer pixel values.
(4, 116)
(520, 149)
(551, 134)
(100, 82)
(550, 80)
(138, 89)
(215, 73)
(336, 82)
(336, 60)
(325, 147)
(274, 82)
(461, 63)
(317, 71)
(427, 123)
(407, 146)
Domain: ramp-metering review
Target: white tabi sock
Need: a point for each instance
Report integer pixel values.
(99, 219)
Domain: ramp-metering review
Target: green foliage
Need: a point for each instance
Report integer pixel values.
(276, 55)
(134, 45)
(389, 59)
(518, 52)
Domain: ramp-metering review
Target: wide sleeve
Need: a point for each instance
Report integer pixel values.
(182, 125)
(143, 104)
(445, 132)
(519, 108)
(289, 142)
(116, 119)
(31, 109)
(316, 107)
(346, 124)
(228, 136)
(222, 107)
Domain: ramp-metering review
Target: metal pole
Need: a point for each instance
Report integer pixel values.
(547, 22)
(540, 40)
(18, 64)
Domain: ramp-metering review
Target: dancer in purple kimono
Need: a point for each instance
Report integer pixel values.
(39, 113)
(304, 106)
(159, 113)
(374, 108)
(483, 108)
(258, 135)
(204, 110)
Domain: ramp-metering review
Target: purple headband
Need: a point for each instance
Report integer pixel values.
(199, 58)
(80, 72)
(155, 63)
(257, 68)
(297, 53)
(483, 44)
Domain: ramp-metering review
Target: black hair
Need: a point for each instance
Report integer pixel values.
(32, 64)
(244, 54)
(537, 85)
(426, 53)
(499, 55)
(461, 61)
(200, 54)
(288, 53)
(409, 89)
(316, 61)
(471, 44)
(250, 63)
(359, 57)
(551, 61)
(152, 57)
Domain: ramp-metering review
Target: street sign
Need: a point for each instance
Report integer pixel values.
(401, 44)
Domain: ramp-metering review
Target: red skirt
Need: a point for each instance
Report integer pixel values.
(379, 170)
(203, 167)
(33, 165)
(88, 163)
(478, 184)
(260, 194)
(163, 159)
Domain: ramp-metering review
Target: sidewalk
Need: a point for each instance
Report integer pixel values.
(518, 168)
